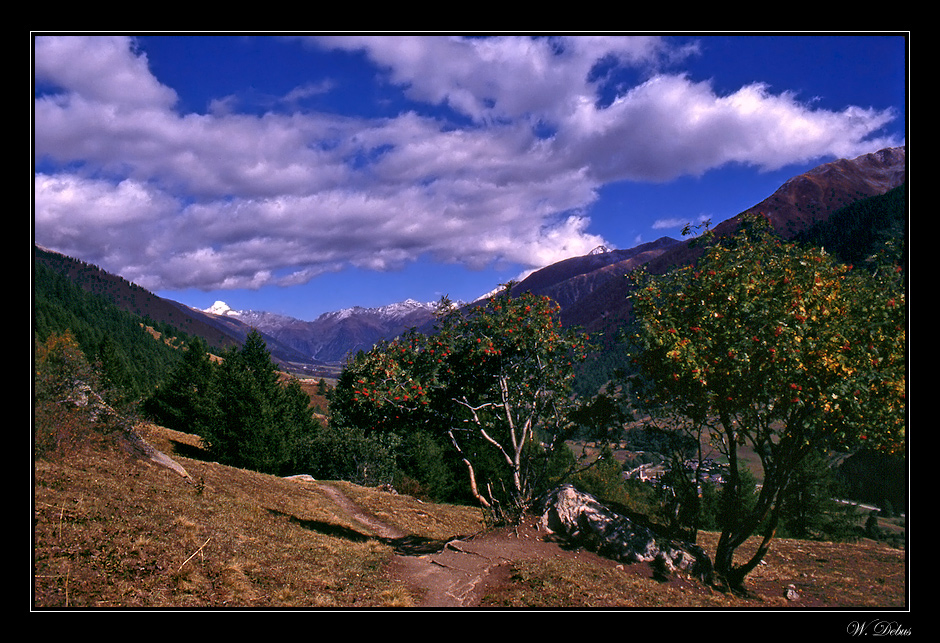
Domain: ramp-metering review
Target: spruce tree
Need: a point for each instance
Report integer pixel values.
(181, 401)
(254, 421)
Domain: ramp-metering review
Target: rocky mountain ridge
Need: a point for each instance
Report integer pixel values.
(800, 203)
(810, 198)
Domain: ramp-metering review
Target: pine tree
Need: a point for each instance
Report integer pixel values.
(251, 420)
(181, 401)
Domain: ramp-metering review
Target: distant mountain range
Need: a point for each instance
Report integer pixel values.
(591, 290)
(334, 335)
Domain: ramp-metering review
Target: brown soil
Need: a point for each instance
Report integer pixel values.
(452, 573)
(464, 570)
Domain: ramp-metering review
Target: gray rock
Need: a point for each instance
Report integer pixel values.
(583, 520)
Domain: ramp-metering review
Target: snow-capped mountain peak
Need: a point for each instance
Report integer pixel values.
(389, 311)
(334, 335)
(220, 308)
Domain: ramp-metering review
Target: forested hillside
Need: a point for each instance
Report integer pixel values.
(859, 230)
(125, 345)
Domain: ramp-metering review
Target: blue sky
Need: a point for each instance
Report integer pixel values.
(304, 174)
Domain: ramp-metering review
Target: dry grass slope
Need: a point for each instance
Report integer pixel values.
(116, 531)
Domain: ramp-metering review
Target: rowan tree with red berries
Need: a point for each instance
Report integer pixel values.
(779, 348)
(495, 379)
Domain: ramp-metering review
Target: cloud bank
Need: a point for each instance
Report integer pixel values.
(486, 174)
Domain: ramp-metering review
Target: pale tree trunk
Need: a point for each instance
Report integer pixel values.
(512, 454)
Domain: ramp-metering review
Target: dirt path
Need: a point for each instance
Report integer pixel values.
(353, 511)
(455, 573)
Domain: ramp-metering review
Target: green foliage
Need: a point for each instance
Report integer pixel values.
(492, 384)
(809, 509)
(247, 417)
(786, 350)
(183, 397)
(604, 480)
(61, 367)
(254, 422)
(609, 363)
(716, 511)
(600, 417)
(339, 452)
(427, 469)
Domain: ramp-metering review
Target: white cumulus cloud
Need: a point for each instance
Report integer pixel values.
(226, 199)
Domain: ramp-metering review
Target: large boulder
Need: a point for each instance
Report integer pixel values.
(582, 520)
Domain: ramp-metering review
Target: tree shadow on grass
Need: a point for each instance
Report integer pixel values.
(190, 451)
(405, 546)
(418, 545)
(326, 528)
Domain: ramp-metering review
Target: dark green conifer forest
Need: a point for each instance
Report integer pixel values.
(129, 357)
